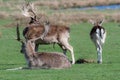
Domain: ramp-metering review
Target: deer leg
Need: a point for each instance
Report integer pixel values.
(67, 46)
(103, 36)
(99, 48)
(70, 48)
(65, 51)
(36, 47)
(99, 52)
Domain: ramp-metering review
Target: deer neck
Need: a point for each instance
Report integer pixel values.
(30, 51)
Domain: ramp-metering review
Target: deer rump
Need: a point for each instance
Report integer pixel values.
(56, 34)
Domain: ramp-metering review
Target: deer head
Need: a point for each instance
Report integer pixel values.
(97, 22)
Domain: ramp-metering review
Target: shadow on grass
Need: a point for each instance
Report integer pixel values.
(82, 61)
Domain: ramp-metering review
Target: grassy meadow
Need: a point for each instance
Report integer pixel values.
(83, 48)
(10, 56)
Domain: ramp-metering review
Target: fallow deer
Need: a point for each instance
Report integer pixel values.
(52, 33)
(46, 60)
(98, 36)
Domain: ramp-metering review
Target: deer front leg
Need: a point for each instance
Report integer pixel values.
(36, 47)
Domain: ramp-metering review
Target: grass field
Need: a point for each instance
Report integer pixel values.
(10, 56)
(83, 48)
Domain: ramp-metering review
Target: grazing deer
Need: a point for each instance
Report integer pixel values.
(50, 33)
(47, 60)
(98, 36)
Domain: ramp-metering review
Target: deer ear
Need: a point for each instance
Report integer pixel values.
(101, 22)
(91, 21)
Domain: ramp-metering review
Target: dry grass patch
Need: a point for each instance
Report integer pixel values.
(12, 11)
(65, 19)
(3, 15)
(57, 4)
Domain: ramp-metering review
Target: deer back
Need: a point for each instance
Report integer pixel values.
(36, 30)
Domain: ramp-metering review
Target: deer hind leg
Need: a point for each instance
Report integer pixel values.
(99, 52)
(67, 46)
(103, 38)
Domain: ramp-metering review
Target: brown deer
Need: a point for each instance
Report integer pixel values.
(47, 33)
(98, 36)
(46, 60)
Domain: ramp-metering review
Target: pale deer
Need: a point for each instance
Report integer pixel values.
(98, 36)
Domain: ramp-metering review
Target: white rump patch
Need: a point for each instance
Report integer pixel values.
(101, 35)
(98, 31)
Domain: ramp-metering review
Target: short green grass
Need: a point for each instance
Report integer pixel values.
(10, 57)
